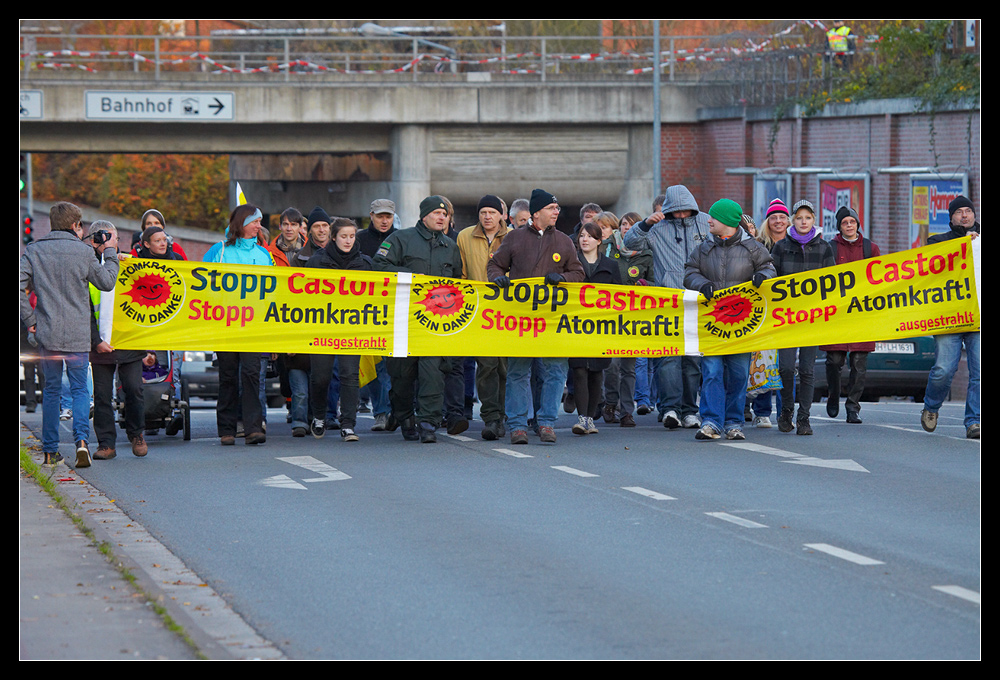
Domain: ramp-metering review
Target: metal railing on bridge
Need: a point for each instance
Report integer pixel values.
(748, 69)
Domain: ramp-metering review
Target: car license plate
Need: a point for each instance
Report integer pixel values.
(894, 347)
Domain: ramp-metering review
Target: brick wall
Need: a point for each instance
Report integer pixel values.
(698, 154)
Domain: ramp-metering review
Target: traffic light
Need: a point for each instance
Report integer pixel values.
(23, 173)
(27, 226)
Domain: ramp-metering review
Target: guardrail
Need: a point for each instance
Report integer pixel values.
(681, 56)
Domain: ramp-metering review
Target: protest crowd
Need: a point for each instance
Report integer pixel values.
(64, 314)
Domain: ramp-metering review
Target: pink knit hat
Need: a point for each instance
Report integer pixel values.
(776, 206)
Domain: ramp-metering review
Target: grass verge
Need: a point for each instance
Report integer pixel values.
(43, 477)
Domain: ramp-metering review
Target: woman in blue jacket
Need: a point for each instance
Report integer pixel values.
(240, 247)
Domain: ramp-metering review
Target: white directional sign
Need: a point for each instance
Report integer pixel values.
(196, 106)
(31, 104)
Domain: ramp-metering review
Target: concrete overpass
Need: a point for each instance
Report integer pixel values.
(341, 145)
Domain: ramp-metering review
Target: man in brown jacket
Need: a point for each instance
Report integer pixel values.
(537, 249)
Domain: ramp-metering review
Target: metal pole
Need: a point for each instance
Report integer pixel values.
(657, 179)
(31, 188)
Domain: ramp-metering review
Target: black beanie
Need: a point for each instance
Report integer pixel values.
(430, 204)
(317, 215)
(539, 199)
(960, 202)
(490, 201)
(845, 211)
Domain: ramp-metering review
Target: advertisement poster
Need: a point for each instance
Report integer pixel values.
(929, 199)
(835, 192)
(766, 188)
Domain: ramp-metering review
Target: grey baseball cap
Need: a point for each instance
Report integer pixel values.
(382, 205)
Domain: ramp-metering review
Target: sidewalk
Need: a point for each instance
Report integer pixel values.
(73, 603)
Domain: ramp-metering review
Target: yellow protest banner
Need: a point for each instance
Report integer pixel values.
(916, 292)
(192, 305)
(167, 304)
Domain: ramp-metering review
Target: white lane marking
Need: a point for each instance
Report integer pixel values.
(330, 474)
(959, 591)
(843, 554)
(760, 448)
(725, 516)
(282, 482)
(459, 437)
(842, 464)
(573, 471)
(938, 432)
(655, 495)
(513, 453)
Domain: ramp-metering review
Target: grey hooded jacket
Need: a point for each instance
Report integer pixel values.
(673, 239)
(58, 268)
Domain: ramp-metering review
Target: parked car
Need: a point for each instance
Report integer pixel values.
(895, 369)
(38, 385)
(200, 376)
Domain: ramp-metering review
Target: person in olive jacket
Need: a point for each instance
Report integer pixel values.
(422, 249)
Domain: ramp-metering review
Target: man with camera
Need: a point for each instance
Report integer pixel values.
(59, 267)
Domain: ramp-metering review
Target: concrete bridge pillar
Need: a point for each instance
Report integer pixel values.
(411, 170)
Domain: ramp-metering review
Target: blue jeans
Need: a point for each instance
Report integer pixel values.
(949, 353)
(379, 390)
(66, 395)
(298, 383)
(762, 403)
(643, 372)
(77, 365)
(678, 379)
(724, 390)
(552, 373)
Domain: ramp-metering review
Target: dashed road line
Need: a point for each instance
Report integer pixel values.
(959, 591)
(843, 554)
(573, 471)
(725, 516)
(513, 453)
(655, 495)
(458, 437)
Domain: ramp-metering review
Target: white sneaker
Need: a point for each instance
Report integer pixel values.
(591, 428)
(580, 427)
(708, 433)
(692, 422)
(65, 414)
(762, 422)
(670, 420)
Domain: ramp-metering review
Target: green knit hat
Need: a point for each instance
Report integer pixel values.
(727, 211)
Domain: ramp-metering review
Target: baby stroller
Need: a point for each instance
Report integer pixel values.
(163, 408)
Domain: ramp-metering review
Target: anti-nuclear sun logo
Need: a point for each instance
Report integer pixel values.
(444, 306)
(150, 292)
(740, 310)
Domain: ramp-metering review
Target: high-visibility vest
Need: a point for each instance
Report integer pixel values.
(837, 37)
